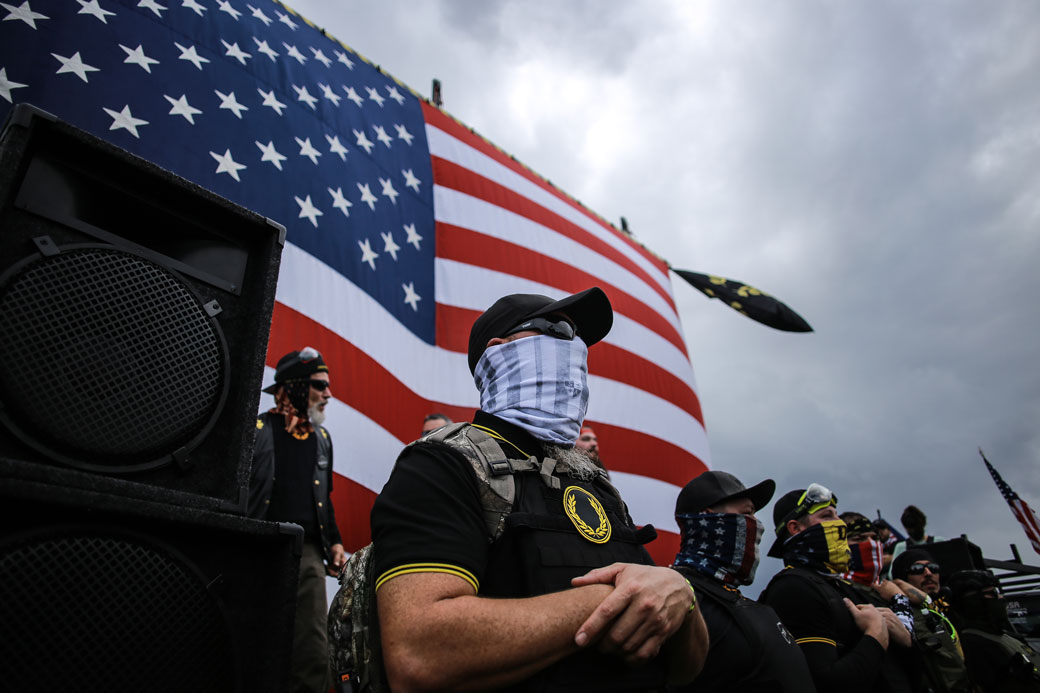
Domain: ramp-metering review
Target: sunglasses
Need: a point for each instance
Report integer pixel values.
(320, 385)
(918, 568)
(560, 329)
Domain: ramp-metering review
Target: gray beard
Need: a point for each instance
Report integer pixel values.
(581, 467)
(316, 416)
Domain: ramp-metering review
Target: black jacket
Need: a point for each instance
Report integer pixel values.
(750, 650)
(261, 481)
(839, 656)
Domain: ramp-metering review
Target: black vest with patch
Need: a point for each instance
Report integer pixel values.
(553, 535)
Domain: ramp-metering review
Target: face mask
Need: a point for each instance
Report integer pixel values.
(538, 383)
(822, 547)
(299, 393)
(865, 562)
(987, 614)
(723, 546)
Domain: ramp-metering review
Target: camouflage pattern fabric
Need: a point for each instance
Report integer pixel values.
(355, 655)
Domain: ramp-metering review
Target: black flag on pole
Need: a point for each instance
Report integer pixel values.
(747, 300)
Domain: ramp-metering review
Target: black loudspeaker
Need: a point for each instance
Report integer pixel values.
(134, 313)
(109, 594)
(954, 555)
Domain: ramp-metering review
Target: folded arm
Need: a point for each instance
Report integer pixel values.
(808, 616)
(648, 611)
(438, 635)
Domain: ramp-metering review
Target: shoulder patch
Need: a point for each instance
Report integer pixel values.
(587, 514)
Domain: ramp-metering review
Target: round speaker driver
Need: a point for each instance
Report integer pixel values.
(125, 613)
(108, 360)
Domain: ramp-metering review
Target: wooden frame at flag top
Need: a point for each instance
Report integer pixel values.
(403, 225)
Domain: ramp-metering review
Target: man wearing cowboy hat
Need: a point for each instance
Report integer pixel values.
(291, 482)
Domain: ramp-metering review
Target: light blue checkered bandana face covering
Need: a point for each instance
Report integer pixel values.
(538, 383)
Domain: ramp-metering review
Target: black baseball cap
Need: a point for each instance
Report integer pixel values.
(296, 365)
(784, 506)
(589, 310)
(712, 487)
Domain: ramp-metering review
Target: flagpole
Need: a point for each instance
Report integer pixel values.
(1019, 508)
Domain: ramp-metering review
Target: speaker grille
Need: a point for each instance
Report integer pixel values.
(94, 611)
(107, 360)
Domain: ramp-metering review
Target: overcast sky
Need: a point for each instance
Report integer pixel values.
(875, 165)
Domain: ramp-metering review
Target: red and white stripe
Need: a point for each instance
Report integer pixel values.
(499, 230)
(1027, 518)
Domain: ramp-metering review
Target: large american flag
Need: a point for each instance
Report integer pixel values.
(403, 224)
(1025, 515)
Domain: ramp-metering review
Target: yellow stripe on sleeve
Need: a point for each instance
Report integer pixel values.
(824, 641)
(445, 568)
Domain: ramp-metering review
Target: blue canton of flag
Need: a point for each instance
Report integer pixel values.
(256, 105)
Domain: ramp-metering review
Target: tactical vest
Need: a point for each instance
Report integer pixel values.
(777, 661)
(549, 522)
(1019, 660)
(527, 527)
(942, 660)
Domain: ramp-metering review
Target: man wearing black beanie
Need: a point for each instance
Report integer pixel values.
(941, 661)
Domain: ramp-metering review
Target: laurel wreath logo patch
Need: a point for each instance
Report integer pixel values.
(577, 502)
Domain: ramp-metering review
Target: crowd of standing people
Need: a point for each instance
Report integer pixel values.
(505, 559)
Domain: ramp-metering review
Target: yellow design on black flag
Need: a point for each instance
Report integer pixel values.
(747, 300)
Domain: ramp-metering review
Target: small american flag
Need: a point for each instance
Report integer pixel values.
(1019, 508)
(402, 224)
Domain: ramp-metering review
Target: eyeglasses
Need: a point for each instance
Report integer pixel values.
(561, 329)
(918, 568)
(320, 385)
